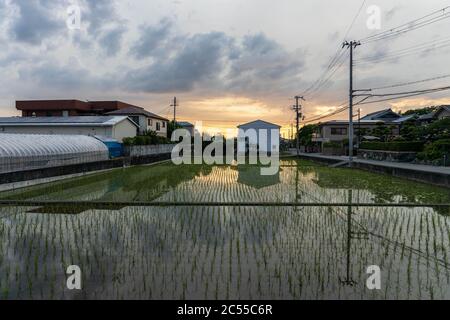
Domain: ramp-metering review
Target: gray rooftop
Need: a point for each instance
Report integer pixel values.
(136, 111)
(67, 121)
(185, 124)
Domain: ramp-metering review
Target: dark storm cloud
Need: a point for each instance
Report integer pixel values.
(35, 21)
(213, 60)
(98, 14)
(261, 60)
(104, 26)
(110, 41)
(177, 61)
(201, 58)
(55, 76)
(152, 39)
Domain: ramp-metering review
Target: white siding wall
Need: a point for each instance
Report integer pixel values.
(163, 129)
(267, 145)
(119, 131)
(86, 131)
(123, 129)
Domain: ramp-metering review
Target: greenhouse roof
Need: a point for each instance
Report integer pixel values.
(20, 145)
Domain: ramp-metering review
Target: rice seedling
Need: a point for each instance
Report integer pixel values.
(222, 251)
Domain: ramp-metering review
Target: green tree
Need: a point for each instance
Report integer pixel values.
(381, 131)
(306, 133)
(420, 111)
(171, 127)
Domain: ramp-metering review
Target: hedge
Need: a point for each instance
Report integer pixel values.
(435, 150)
(145, 140)
(412, 146)
(332, 144)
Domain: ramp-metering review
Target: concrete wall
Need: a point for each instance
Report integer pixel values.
(393, 156)
(438, 179)
(138, 151)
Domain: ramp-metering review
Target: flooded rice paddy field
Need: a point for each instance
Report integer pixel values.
(227, 252)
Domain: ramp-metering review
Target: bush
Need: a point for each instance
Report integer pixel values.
(332, 144)
(128, 141)
(413, 146)
(148, 139)
(435, 150)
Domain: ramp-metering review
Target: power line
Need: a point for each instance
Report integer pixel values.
(339, 109)
(406, 92)
(354, 19)
(409, 26)
(316, 85)
(325, 81)
(335, 60)
(399, 95)
(411, 82)
(404, 52)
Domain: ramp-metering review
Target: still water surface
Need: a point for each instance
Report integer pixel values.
(227, 252)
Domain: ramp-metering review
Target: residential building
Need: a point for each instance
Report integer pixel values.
(337, 130)
(259, 135)
(67, 108)
(116, 127)
(442, 112)
(386, 115)
(188, 126)
(145, 119)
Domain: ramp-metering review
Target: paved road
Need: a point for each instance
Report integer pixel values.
(411, 166)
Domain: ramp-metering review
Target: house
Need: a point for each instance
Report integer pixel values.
(145, 119)
(116, 127)
(259, 135)
(188, 126)
(67, 108)
(386, 115)
(442, 112)
(337, 130)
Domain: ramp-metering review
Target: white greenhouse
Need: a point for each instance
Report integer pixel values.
(20, 152)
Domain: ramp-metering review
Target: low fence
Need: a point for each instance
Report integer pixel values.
(434, 178)
(147, 150)
(19, 179)
(392, 156)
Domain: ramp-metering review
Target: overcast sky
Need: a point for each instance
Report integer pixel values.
(228, 61)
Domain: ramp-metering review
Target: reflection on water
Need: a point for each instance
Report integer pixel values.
(226, 252)
(296, 181)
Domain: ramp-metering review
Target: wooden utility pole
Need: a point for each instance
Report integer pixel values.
(174, 105)
(298, 108)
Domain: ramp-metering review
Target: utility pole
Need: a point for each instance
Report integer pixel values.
(351, 45)
(297, 108)
(292, 131)
(174, 105)
(359, 126)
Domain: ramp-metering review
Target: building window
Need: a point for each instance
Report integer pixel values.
(158, 126)
(338, 131)
(150, 122)
(65, 113)
(164, 124)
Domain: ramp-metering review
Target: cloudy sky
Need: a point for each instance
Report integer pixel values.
(227, 61)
